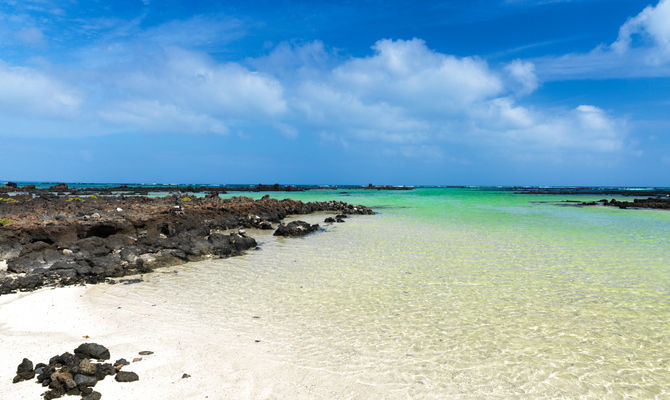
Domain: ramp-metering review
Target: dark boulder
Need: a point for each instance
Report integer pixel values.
(24, 371)
(65, 359)
(121, 362)
(329, 220)
(82, 380)
(92, 396)
(104, 370)
(11, 185)
(295, 228)
(92, 350)
(126, 376)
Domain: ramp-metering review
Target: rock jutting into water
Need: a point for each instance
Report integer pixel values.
(64, 239)
(386, 187)
(660, 193)
(74, 374)
(295, 228)
(651, 202)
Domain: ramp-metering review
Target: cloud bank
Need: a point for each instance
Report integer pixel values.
(642, 49)
(403, 96)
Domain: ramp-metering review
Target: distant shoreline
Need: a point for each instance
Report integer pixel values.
(140, 189)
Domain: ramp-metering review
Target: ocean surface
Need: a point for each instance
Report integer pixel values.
(448, 293)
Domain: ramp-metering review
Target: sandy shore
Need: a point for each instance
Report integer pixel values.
(47, 322)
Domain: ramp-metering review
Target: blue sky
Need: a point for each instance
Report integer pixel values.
(499, 92)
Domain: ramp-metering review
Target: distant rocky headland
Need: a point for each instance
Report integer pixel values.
(143, 190)
(593, 191)
(47, 238)
(651, 202)
(656, 198)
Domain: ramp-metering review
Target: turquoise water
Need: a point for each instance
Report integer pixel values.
(452, 293)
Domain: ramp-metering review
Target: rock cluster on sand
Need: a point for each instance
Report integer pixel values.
(63, 240)
(75, 374)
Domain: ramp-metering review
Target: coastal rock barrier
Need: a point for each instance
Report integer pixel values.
(64, 240)
(75, 374)
(651, 202)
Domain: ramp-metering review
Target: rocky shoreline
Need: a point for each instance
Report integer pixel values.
(658, 193)
(55, 240)
(651, 202)
(656, 198)
(144, 190)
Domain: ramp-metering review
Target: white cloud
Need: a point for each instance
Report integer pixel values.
(409, 74)
(188, 92)
(405, 97)
(26, 91)
(642, 49)
(652, 24)
(406, 94)
(152, 116)
(523, 75)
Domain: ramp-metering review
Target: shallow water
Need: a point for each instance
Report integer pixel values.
(450, 293)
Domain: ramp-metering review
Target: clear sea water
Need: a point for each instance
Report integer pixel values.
(451, 293)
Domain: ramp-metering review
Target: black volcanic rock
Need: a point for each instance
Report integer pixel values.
(295, 228)
(69, 374)
(24, 371)
(92, 350)
(662, 203)
(126, 376)
(57, 240)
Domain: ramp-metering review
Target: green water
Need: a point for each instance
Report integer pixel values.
(454, 293)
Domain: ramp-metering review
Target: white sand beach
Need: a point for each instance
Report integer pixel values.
(47, 322)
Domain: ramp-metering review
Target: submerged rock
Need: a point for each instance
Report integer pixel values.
(295, 228)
